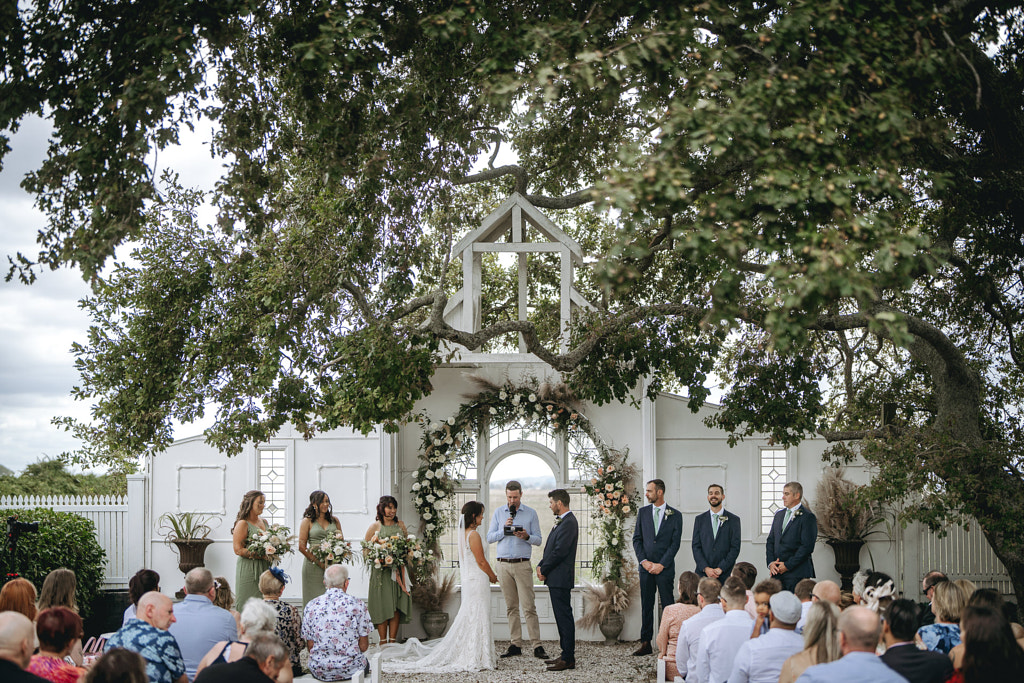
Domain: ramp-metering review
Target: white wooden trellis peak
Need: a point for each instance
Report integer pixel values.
(504, 231)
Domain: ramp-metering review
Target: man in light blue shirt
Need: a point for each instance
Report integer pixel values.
(760, 660)
(721, 640)
(859, 630)
(200, 624)
(711, 611)
(516, 529)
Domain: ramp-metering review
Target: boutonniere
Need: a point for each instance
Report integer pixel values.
(722, 519)
(669, 512)
(799, 511)
(558, 520)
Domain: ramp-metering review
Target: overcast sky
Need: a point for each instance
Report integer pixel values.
(38, 323)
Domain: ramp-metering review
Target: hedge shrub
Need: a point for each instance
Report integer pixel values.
(64, 539)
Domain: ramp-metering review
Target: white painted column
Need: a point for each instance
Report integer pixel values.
(136, 542)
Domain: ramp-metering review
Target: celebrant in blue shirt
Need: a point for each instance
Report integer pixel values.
(515, 528)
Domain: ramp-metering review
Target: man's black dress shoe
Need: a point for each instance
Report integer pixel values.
(513, 650)
(562, 666)
(645, 649)
(539, 653)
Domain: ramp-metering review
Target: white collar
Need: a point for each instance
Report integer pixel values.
(795, 507)
(719, 513)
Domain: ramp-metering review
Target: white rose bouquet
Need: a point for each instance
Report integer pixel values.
(271, 544)
(334, 549)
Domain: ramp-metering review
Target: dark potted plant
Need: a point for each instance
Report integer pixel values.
(845, 520)
(432, 593)
(189, 532)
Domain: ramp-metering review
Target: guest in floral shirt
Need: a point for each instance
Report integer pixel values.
(336, 627)
(147, 634)
(289, 621)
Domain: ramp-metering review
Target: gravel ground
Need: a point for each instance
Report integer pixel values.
(595, 661)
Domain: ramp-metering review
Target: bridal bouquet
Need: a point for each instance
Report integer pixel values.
(332, 550)
(270, 544)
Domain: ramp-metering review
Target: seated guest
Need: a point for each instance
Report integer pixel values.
(117, 666)
(879, 592)
(708, 591)
(144, 581)
(902, 656)
(721, 640)
(821, 641)
(17, 641)
(925, 615)
(19, 595)
(747, 573)
(289, 621)
(804, 591)
(947, 604)
(672, 619)
(59, 590)
(760, 660)
(57, 629)
(990, 652)
(859, 630)
(199, 624)
(829, 591)
(257, 617)
(983, 597)
(264, 659)
(762, 594)
(225, 599)
(336, 627)
(147, 634)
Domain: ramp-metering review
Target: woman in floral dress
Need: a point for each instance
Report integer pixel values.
(289, 621)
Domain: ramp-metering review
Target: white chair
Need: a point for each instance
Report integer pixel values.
(661, 670)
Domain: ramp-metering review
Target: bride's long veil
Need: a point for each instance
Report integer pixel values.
(463, 549)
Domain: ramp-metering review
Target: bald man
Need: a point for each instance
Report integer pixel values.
(17, 641)
(147, 634)
(828, 590)
(859, 631)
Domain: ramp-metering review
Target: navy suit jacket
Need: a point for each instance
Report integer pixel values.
(716, 551)
(558, 565)
(794, 545)
(661, 548)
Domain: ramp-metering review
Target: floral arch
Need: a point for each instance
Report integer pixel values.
(450, 446)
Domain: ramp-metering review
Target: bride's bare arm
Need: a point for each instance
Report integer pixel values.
(477, 546)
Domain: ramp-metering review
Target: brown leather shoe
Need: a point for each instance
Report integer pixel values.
(562, 666)
(644, 649)
(556, 660)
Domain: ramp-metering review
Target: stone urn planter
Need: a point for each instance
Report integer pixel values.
(434, 622)
(191, 553)
(847, 559)
(611, 627)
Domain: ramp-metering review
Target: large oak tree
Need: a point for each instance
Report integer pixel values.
(821, 200)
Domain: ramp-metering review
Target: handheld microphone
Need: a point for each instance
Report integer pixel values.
(512, 510)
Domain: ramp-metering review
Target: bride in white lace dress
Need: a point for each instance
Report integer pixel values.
(468, 645)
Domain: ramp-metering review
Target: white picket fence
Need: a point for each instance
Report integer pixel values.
(110, 516)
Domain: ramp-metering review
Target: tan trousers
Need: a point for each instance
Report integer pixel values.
(516, 581)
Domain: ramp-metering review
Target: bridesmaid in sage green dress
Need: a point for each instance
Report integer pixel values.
(248, 568)
(318, 521)
(389, 605)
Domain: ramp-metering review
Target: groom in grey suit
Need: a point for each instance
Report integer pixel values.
(557, 569)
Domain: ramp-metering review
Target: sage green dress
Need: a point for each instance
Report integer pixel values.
(247, 575)
(385, 596)
(312, 575)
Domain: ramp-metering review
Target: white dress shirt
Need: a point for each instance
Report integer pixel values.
(760, 660)
(689, 637)
(805, 607)
(719, 643)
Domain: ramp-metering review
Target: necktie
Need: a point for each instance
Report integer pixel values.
(657, 520)
(785, 521)
(714, 525)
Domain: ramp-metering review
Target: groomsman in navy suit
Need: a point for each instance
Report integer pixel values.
(791, 540)
(557, 569)
(716, 537)
(656, 542)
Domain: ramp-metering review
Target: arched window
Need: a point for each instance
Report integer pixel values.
(541, 460)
